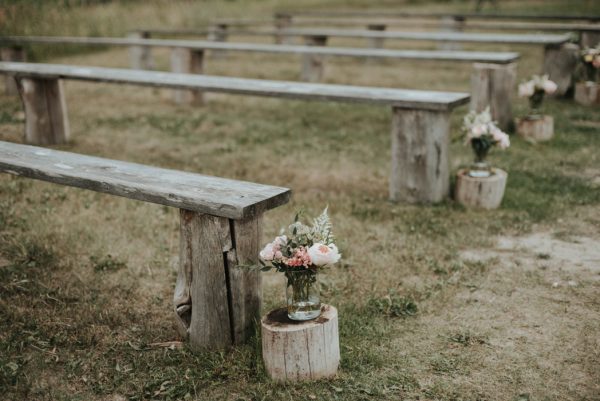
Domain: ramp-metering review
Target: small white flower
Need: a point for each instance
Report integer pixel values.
(549, 86)
(321, 255)
(527, 89)
(268, 252)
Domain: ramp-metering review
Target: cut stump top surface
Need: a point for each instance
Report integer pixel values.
(278, 320)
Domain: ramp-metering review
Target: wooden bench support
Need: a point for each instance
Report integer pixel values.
(420, 163)
(560, 63)
(216, 302)
(187, 61)
(140, 56)
(376, 43)
(14, 53)
(589, 39)
(451, 24)
(313, 64)
(46, 121)
(218, 33)
(282, 22)
(493, 85)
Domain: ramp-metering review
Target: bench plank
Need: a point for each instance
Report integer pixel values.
(404, 98)
(466, 56)
(200, 193)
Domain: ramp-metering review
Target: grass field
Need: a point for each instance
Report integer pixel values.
(507, 302)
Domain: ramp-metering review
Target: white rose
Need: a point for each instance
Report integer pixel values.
(268, 253)
(321, 255)
(550, 87)
(527, 89)
(280, 241)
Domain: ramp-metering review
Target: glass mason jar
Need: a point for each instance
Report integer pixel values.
(480, 168)
(302, 294)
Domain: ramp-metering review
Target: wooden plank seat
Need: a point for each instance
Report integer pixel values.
(420, 119)
(215, 302)
(493, 77)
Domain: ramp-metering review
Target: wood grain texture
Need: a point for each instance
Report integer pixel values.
(12, 53)
(417, 99)
(560, 63)
(420, 162)
(493, 85)
(482, 193)
(186, 61)
(204, 243)
(433, 55)
(296, 351)
(535, 128)
(587, 93)
(205, 194)
(46, 120)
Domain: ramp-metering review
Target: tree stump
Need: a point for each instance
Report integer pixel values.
(493, 85)
(140, 56)
(46, 121)
(560, 63)
(297, 351)
(15, 53)
(484, 193)
(219, 33)
(587, 93)
(187, 61)
(451, 24)
(536, 128)
(312, 64)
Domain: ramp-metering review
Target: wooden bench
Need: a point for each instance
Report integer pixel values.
(215, 302)
(492, 81)
(420, 119)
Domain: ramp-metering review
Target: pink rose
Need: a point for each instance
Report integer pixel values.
(550, 87)
(322, 255)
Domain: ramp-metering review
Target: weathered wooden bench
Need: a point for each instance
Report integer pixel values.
(492, 81)
(420, 119)
(216, 302)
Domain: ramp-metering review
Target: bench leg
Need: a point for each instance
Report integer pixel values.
(493, 85)
(453, 25)
(186, 61)
(375, 43)
(420, 142)
(282, 22)
(216, 303)
(560, 63)
(46, 121)
(589, 39)
(140, 56)
(218, 33)
(11, 54)
(313, 64)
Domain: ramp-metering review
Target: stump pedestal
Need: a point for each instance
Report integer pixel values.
(484, 193)
(297, 351)
(535, 128)
(587, 93)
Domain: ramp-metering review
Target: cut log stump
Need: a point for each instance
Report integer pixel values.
(313, 64)
(140, 56)
(294, 351)
(186, 61)
(493, 85)
(587, 93)
(483, 193)
(535, 128)
(560, 63)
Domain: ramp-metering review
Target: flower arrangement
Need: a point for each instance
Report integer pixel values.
(591, 62)
(482, 133)
(300, 255)
(535, 89)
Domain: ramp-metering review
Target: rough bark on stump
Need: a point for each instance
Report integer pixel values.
(493, 85)
(535, 128)
(140, 56)
(420, 165)
(215, 301)
(589, 39)
(294, 351)
(11, 54)
(187, 61)
(46, 120)
(484, 193)
(313, 64)
(560, 63)
(376, 43)
(587, 93)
